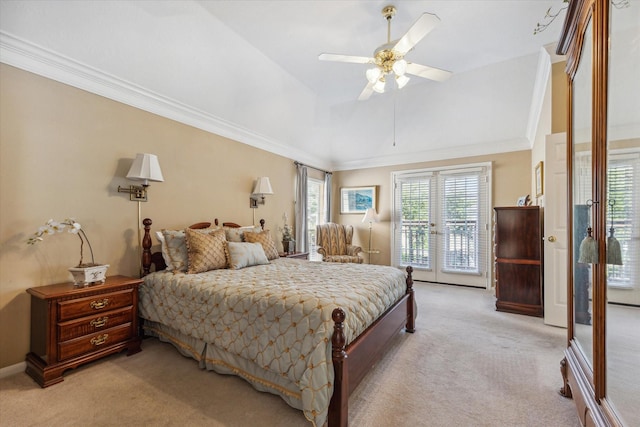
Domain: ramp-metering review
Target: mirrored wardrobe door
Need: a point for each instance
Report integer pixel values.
(584, 245)
(623, 215)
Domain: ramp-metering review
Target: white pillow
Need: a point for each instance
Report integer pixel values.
(164, 250)
(242, 254)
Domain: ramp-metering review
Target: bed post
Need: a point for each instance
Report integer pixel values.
(146, 247)
(411, 303)
(338, 407)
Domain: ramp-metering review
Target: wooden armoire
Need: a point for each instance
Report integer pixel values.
(518, 259)
(601, 367)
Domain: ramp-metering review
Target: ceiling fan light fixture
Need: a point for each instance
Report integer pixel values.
(402, 81)
(373, 74)
(379, 86)
(400, 67)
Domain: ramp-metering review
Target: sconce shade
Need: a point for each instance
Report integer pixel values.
(370, 215)
(145, 168)
(263, 186)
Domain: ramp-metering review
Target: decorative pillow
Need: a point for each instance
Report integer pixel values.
(165, 252)
(243, 255)
(205, 250)
(236, 234)
(264, 238)
(176, 247)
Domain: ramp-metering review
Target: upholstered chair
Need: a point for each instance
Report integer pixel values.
(334, 243)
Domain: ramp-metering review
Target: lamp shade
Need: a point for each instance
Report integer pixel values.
(402, 81)
(263, 186)
(373, 74)
(400, 67)
(145, 168)
(379, 85)
(370, 215)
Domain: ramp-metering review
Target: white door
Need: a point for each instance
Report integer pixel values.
(555, 230)
(441, 224)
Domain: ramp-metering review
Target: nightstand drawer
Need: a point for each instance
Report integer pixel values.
(87, 306)
(94, 342)
(93, 324)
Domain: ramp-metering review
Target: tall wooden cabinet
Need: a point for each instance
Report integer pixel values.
(601, 367)
(518, 260)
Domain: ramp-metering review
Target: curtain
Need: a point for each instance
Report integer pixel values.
(301, 209)
(327, 196)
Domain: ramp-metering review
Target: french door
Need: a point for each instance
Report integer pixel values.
(441, 224)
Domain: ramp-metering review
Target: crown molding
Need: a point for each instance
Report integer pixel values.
(537, 97)
(450, 152)
(36, 59)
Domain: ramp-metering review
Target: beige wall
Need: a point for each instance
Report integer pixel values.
(511, 179)
(64, 151)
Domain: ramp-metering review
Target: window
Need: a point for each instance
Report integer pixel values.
(441, 224)
(623, 211)
(461, 222)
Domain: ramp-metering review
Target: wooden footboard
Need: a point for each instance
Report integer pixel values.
(350, 363)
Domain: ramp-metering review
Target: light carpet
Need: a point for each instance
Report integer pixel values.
(466, 365)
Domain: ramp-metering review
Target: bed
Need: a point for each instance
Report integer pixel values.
(306, 331)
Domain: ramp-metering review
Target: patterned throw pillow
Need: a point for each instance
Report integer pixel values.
(205, 250)
(236, 234)
(264, 238)
(244, 254)
(176, 247)
(165, 252)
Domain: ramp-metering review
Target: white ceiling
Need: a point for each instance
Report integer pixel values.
(249, 70)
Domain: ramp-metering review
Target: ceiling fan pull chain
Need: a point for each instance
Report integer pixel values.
(395, 97)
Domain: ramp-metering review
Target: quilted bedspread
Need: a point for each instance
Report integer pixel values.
(278, 316)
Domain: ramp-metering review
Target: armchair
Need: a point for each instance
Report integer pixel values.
(334, 243)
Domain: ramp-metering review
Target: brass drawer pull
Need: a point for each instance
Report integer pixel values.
(99, 340)
(99, 322)
(97, 305)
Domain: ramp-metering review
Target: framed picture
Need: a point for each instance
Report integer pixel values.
(539, 180)
(357, 199)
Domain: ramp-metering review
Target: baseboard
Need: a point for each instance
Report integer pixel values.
(13, 369)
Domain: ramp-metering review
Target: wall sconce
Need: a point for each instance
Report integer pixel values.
(262, 187)
(145, 168)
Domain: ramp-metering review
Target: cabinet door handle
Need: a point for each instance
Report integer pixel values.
(100, 339)
(551, 239)
(99, 322)
(98, 304)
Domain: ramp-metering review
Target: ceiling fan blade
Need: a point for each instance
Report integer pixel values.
(418, 30)
(428, 72)
(366, 93)
(345, 58)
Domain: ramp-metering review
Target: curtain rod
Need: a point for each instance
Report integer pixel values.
(318, 169)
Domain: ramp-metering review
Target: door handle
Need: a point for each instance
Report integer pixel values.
(551, 239)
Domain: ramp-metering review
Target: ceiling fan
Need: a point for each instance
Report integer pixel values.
(389, 58)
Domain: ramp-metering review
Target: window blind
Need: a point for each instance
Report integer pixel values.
(412, 215)
(623, 212)
(463, 227)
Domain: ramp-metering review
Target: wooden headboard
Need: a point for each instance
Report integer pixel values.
(155, 258)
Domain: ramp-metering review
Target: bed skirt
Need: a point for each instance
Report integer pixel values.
(212, 358)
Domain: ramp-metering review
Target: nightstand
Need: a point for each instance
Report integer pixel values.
(73, 325)
(299, 255)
